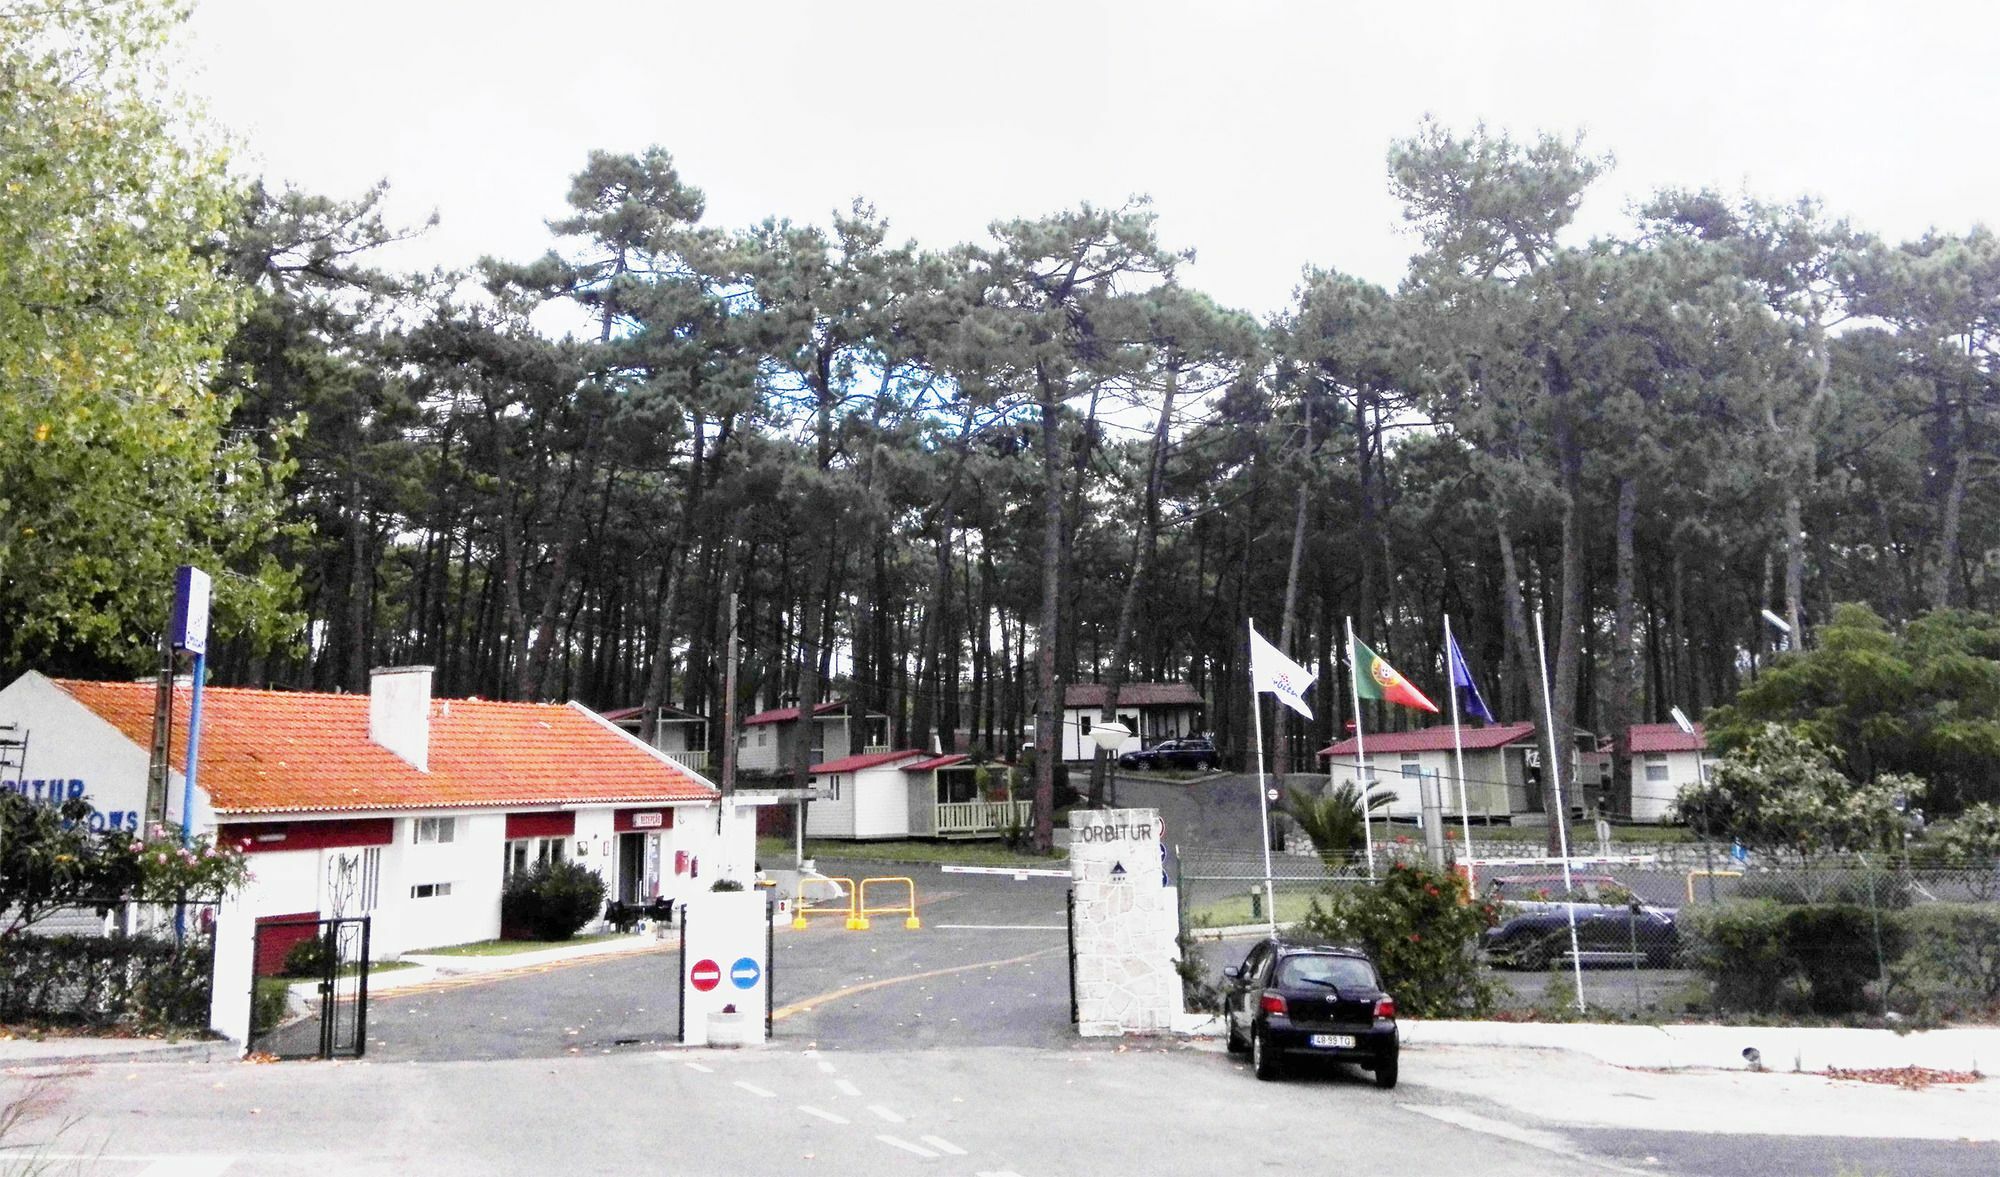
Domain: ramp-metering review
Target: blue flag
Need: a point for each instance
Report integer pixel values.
(1461, 681)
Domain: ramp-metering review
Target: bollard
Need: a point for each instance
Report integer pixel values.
(862, 911)
(800, 911)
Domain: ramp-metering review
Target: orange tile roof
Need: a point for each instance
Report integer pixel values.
(295, 752)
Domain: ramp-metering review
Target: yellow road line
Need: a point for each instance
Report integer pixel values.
(807, 1004)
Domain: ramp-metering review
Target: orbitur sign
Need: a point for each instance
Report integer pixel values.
(1133, 831)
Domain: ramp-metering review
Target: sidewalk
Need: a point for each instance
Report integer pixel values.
(51, 1051)
(435, 966)
(1781, 1048)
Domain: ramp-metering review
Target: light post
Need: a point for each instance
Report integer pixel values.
(1109, 736)
(1682, 722)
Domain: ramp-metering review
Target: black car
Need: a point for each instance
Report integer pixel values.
(1310, 1000)
(1193, 752)
(1612, 926)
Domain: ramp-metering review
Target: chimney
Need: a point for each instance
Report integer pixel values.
(399, 712)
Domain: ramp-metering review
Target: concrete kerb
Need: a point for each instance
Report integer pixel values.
(433, 966)
(1678, 1047)
(74, 1051)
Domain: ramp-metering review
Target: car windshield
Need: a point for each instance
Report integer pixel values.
(1332, 972)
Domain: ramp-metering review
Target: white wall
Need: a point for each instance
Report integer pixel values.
(1485, 785)
(1653, 800)
(1078, 746)
(70, 748)
(827, 817)
(882, 803)
(756, 756)
(471, 863)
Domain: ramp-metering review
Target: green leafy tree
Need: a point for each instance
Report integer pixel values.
(114, 461)
(1422, 928)
(1780, 791)
(1333, 819)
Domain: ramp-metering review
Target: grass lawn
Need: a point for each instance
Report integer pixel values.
(1230, 910)
(510, 947)
(780, 852)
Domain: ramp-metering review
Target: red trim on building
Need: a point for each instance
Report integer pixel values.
(337, 833)
(274, 943)
(627, 821)
(559, 824)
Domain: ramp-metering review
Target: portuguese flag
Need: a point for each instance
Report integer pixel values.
(1376, 679)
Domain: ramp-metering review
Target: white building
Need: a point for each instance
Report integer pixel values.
(840, 728)
(1664, 761)
(912, 794)
(392, 804)
(1502, 769)
(1151, 711)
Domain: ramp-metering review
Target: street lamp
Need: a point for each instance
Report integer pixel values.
(1682, 722)
(1110, 735)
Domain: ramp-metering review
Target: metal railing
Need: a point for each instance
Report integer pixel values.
(983, 817)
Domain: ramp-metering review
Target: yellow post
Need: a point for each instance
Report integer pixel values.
(800, 911)
(1709, 874)
(907, 910)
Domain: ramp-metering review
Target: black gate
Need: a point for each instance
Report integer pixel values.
(1070, 906)
(309, 988)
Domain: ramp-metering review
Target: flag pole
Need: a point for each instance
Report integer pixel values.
(1360, 748)
(1561, 814)
(1263, 795)
(1458, 751)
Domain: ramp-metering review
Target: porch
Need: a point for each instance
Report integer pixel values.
(972, 819)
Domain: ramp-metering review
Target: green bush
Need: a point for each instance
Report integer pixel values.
(550, 901)
(1952, 964)
(102, 981)
(1422, 928)
(1761, 956)
(307, 958)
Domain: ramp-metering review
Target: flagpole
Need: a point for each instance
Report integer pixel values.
(1263, 795)
(1360, 748)
(1561, 814)
(1458, 750)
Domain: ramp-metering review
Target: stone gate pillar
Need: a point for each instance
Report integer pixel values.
(1127, 920)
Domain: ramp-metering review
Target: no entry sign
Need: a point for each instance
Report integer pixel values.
(704, 975)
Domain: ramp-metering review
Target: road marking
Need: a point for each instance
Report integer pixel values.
(997, 1173)
(823, 1114)
(897, 1142)
(847, 1088)
(998, 927)
(155, 1165)
(825, 1068)
(888, 1114)
(699, 1067)
(942, 1145)
(187, 1167)
(753, 1089)
(806, 1005)
(1019, 872)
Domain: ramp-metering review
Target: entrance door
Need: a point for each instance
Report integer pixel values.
(632, 868)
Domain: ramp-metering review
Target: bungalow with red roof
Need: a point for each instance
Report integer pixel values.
(1152, 711)
(682, 735)
(1502, 768)
(764, 741)
(1665, 760)
(393, 804)
(911, 794)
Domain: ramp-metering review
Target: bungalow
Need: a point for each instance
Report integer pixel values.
(1502, 764)
(840, 728)
(392, 804)
(1664, 761)
(682, 735)
(909, 794)
(1152, 711)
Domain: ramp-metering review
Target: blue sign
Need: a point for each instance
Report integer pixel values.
(745, 973)
(187, 628)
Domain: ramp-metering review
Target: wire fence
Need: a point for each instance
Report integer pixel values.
(1649, 937)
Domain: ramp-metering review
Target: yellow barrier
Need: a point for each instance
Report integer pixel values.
(1709, 874)
(800, 911)
(862, 911)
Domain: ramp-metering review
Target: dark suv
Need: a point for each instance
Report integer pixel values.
(1310, 1000)
(1193, 752)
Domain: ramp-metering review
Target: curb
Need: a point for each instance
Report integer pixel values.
(1717, 1047)
(206, 1050)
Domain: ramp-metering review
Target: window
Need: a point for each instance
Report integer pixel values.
(1337, 972)
(430, 890)
(1656, 767)
(371, 878)
(435, 829)
(762, 736)
(832, 788)
(1085, 720)
(522, 853)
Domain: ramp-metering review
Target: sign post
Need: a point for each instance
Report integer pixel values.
(188, 630)
(726, 971)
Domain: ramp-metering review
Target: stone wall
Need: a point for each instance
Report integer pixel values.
(1126, 923)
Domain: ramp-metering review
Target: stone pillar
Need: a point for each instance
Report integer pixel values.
(1127, 920)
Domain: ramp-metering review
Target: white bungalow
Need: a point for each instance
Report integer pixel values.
(909, 794)
(1664, 761)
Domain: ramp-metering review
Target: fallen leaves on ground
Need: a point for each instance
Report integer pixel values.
(1908, 1078)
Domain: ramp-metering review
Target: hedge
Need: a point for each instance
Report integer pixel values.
(101, 981)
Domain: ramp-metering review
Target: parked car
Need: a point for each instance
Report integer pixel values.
(1196, 752)
(1612, 925)
(1295, 1000)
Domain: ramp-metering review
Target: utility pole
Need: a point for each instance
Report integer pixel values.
(159, 768)
(729, 708)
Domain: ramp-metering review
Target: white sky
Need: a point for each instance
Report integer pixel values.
(1258, 128)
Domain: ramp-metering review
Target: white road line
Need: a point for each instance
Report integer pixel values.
(699, 1067)
(1017, 872)
(823, 1114)
(753, 1089)
(846, 1087)
(997, 1173)
(888, 1114)
(825, 1068)
(895, 1142)
(942, 1145)
(998, 927)
(187, 1167)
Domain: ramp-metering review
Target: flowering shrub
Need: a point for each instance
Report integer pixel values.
(1421, 926)
(203, 869)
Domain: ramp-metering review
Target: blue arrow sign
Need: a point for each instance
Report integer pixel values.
(745, 973)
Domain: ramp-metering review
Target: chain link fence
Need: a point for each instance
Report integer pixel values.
(1648, 938)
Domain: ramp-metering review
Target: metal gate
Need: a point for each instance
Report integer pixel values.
(309, 988)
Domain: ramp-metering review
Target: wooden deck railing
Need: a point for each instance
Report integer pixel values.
(982, 817)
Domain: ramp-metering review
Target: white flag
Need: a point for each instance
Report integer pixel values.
(1272, 671)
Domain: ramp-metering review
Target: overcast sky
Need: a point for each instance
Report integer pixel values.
(1259, 129)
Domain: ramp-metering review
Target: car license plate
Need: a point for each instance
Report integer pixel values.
(1335, 1041)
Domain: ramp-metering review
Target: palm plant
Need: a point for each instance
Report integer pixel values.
(1333, 819)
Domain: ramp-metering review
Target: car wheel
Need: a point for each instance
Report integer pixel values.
(1385, 1071)
(1234, 1041)
(1263, 1056)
